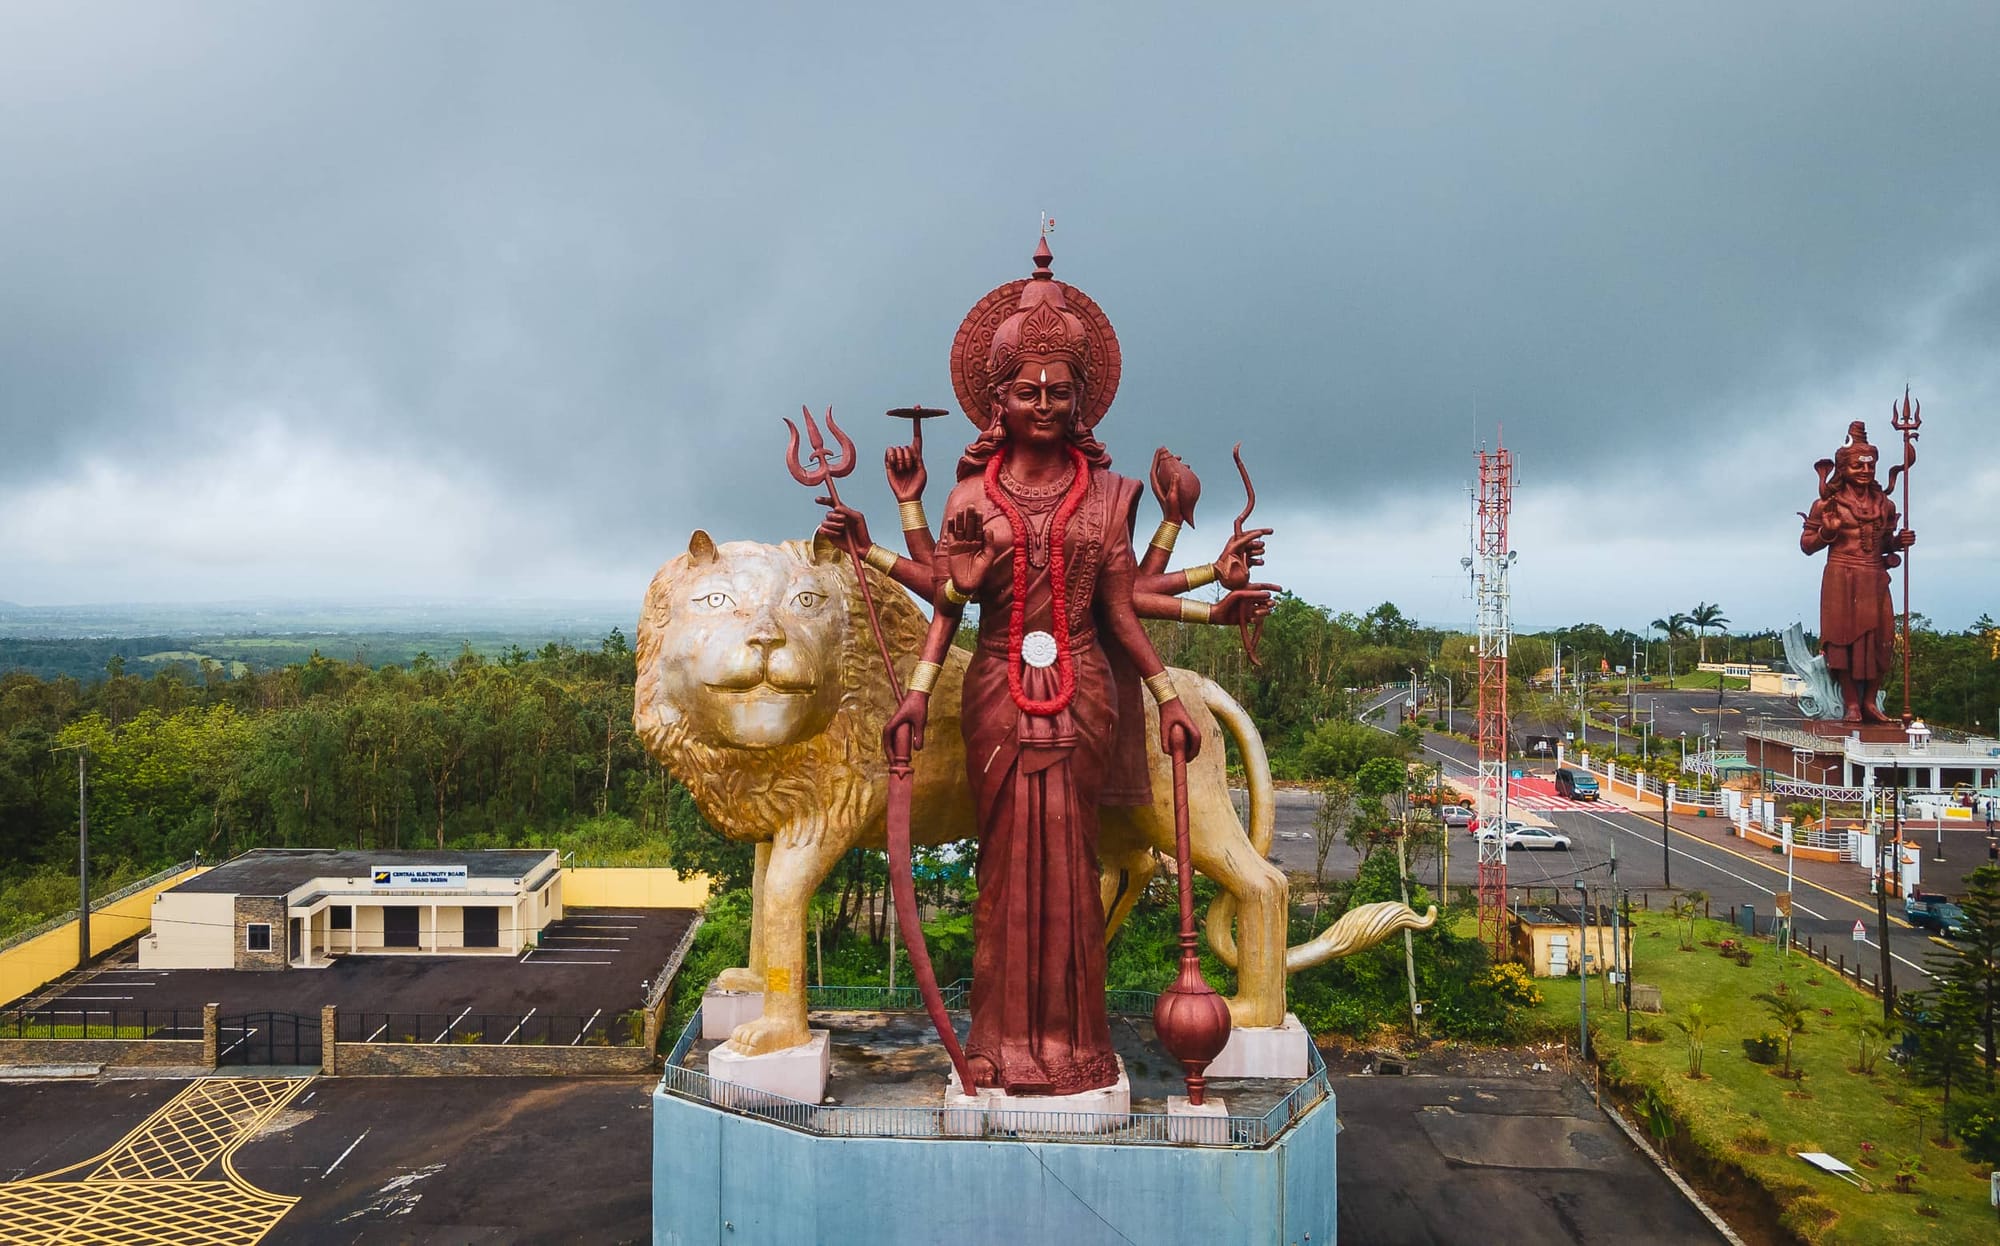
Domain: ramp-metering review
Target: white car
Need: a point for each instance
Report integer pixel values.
(1521, 835)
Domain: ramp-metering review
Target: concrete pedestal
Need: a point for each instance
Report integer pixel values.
(1264, 1051)
(722, 1011)
(996, 1111)
(724, 1178)
(797, 1073)
(1206, 1122)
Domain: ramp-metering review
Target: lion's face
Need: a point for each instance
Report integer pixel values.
(750, 643)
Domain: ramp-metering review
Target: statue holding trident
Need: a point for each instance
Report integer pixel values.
(1856, 521)
(1039, 533)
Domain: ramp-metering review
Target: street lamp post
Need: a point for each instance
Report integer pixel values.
(1449, 697)
(1583, 968)
(1920, 737)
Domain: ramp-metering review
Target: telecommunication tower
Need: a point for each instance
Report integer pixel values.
(1494, 558)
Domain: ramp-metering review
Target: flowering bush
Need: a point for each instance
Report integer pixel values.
(1513, 985)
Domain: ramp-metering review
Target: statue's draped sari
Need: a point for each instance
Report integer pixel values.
(1037, 781)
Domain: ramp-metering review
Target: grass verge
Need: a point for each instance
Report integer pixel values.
(1744, 1119)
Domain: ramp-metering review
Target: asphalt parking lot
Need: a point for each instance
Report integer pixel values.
(370, 1160)
(1520, 1157)
(593, 961)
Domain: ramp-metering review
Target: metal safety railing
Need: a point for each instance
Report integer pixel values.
(1008, 1121)
(102, 1023)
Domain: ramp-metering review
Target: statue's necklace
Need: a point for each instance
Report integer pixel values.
(1038, 506)
(1021, 646)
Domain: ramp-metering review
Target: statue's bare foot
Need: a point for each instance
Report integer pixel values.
(765, 1035)
(739, 980)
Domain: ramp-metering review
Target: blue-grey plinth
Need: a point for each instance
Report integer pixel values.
(728, 1177)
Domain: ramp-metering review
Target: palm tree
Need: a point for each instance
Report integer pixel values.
(1704, 616)
(1673, 627)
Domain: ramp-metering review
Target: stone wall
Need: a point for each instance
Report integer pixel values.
(146, 1052)
(482, 1060)
(270, 910)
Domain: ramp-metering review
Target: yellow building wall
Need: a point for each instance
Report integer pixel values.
(48, 956)
(635, 888)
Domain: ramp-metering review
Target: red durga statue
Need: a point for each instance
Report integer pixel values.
(1038, 531)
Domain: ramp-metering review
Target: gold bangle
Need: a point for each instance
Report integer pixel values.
(881, 559)
(913, 515)
(1165, 535)
(925, 677)
(1195, 611)
(952, 595)
(1161, 685)
(1198, 576)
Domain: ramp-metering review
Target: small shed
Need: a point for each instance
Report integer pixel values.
(1546, 938)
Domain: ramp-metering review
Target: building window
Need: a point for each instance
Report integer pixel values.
(257, 936)
(340, 917)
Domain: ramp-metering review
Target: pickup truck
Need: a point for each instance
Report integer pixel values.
(1934, 913)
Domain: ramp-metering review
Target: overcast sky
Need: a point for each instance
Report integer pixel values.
(499, 300)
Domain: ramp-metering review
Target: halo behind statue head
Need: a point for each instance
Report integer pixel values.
(971, 350)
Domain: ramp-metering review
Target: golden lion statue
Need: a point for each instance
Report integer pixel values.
(760, 689)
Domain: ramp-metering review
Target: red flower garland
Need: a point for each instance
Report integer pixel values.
(1058, 584)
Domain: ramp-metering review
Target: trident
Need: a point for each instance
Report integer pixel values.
(826, 468)
(1248, 632)
(1906, 419)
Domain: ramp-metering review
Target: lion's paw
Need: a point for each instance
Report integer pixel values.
(739, 980)
(765, 1035)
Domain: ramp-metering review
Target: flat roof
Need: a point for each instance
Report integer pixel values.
(280, 871)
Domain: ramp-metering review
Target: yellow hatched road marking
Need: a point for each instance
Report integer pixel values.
(142, 1190)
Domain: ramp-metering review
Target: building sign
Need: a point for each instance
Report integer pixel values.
(424, 876)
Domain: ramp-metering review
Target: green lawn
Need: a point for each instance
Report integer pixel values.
(1744, 1114)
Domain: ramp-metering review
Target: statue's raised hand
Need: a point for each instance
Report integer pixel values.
(844, 526)
(1244, 551)
(905, 467)
(962, 546)
(1175, 487)
(1244, 605)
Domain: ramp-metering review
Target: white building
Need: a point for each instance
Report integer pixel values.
(278, 908)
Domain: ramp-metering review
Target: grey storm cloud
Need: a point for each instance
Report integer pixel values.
(569, 266)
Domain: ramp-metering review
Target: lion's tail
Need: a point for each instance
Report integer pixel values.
(1358, 929)
(1263, 814)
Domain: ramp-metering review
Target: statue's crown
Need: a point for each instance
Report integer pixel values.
(1042, 326)
(1857, 443)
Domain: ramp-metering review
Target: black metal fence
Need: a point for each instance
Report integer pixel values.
(101, 1023)
(534, 1029)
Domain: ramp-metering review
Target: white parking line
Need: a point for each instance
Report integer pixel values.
(571, 962)
(377, 1034)
(586, 1027)
(444, 1033)
(343, 1155)
(78, 999)
(517, 1027)
(589, 938)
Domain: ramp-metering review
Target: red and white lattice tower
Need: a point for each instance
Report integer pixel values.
(1496, 499)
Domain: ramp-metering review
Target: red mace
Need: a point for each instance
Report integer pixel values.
(1192, 1020)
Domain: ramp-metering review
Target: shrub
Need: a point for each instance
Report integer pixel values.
(1764, 1048)
(1978, 1122)
(1756, 1140)
(1648, 1032)
(1511, 982)
(1808, 1216)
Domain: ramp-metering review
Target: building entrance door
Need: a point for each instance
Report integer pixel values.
(482, 927)
(399, 927)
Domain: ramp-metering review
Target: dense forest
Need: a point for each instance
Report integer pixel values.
(536, 747)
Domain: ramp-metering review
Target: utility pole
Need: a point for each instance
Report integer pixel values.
(1403, 881)
(1666, 848)
(1618, 957)
(82, 861)
(1582, 969)
(1888, 863)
